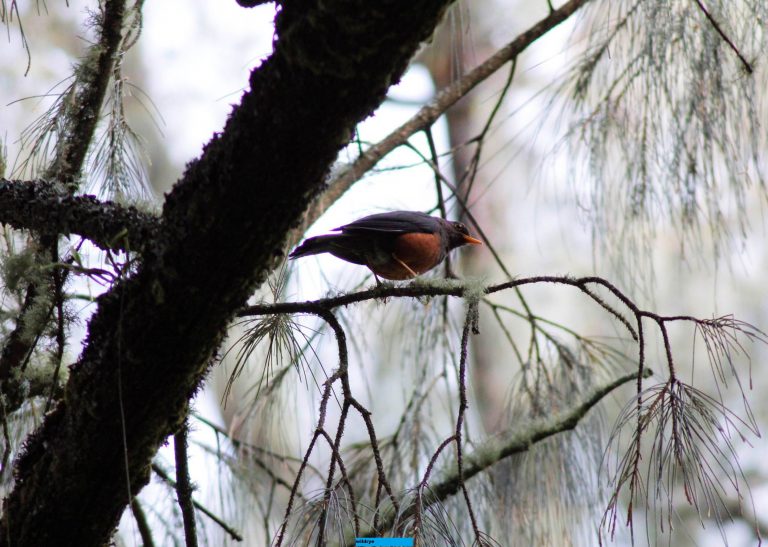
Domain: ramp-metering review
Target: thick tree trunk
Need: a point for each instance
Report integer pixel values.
(222, 228)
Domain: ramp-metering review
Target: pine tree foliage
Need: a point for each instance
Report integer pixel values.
(665, 98)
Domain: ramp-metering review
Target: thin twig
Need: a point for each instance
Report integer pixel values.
(234, 534)
(470, 318)
(6, 437)
(58, 277)
(435, 164)
(141, 523)
(724, 36)
(349, 399)
(184, 485)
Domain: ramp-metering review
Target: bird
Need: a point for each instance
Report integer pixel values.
(395, 245)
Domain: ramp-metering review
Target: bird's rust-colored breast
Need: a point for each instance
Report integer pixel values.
(420, 251)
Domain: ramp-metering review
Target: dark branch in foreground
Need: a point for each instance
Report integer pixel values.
(48, 208)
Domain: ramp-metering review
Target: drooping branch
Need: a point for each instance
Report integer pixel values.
(517, 442)
(675, 77)
(46, 208)
(340, 375)
(428, 114)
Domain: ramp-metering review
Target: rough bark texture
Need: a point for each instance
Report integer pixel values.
(49, 209)
(154, 334)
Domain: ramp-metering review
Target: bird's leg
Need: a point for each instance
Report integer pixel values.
(379, 285)
(449, 272)
(404, 265)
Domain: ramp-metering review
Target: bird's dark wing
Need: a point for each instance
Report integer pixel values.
(394, 222)
(349, 247)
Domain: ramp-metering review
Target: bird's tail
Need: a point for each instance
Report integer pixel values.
(314, 245)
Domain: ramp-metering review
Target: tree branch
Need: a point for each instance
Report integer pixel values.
(518, 441)
(184, 485)
(82, 109)
(447, 287)
(234, 534)
(48, 209)
(145, 532)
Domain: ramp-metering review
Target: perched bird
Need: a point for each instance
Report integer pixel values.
(395, 245)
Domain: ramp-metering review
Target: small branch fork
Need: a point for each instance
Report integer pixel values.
(341, 375)
(665, 403)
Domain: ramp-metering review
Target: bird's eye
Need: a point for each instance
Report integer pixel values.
(461, 228)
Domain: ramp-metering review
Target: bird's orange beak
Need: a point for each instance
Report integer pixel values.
(472, 241)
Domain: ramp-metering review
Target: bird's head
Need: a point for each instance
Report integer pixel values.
(458, 235)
